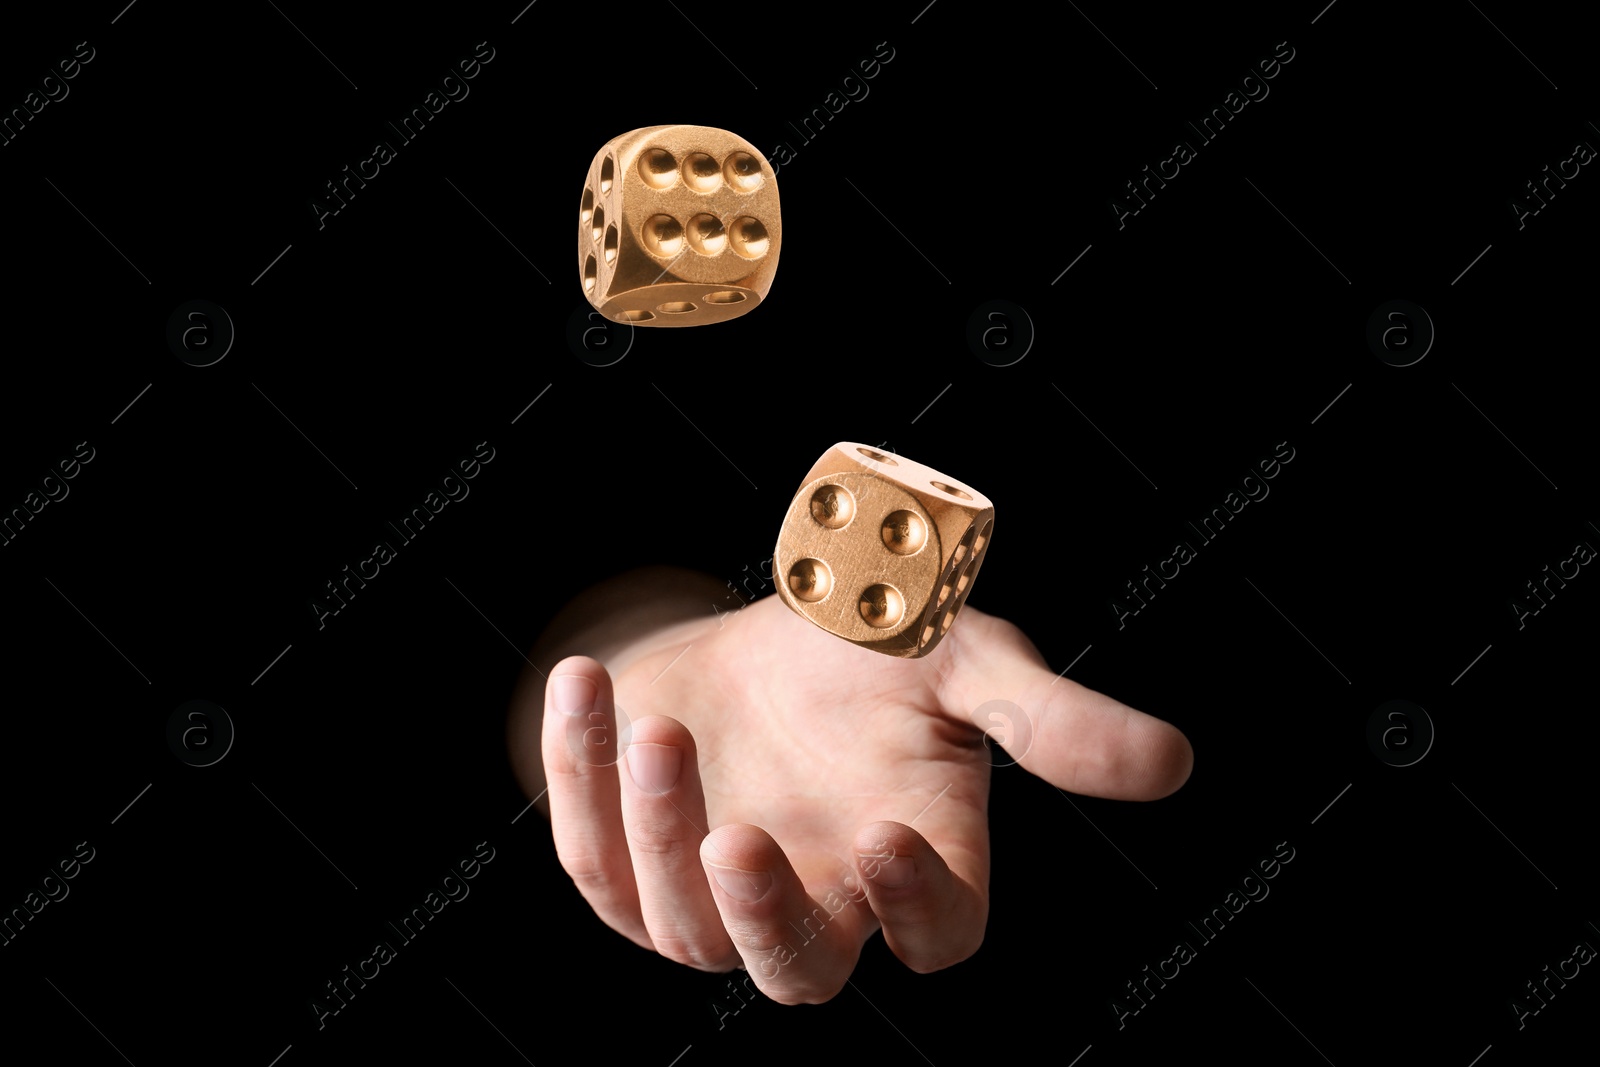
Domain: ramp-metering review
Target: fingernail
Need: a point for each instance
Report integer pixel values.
(572, 694)
(744, 886)
(890, 873)
(655, 767)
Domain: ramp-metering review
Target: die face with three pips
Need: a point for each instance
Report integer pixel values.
(678, 226)
(881, 550)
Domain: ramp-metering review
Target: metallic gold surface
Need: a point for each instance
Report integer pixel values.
(678, 226)
(881, 550)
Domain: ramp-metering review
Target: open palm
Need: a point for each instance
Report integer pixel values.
(752, 791)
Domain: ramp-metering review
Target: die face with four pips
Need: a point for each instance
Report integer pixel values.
(881, 550)
(678, 226)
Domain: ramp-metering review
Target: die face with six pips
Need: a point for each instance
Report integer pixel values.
(881, 550)
(678, 226)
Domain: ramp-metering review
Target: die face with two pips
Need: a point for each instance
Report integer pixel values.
(881, 550)
(678, 226)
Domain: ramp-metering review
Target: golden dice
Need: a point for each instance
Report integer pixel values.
(679, 226)
(881, 550)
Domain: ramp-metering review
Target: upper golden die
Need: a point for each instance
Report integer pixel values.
(881, 550)
(679, 226)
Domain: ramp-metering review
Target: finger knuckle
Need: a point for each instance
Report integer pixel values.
(939, 956)
(655, 842)
(806, 991)
(932, 964)
(589, 871)
(698, 953)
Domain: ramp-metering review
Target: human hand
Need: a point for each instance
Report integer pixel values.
(781, 795)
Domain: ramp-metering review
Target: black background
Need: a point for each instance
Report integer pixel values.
(382, 347)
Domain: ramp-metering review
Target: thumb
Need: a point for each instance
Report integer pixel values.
(1075, 738)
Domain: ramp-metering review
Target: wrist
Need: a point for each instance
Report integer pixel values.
(626, 617)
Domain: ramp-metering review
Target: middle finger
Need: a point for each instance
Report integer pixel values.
(664, 814)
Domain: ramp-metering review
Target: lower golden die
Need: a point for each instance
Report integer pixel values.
(881, 550)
